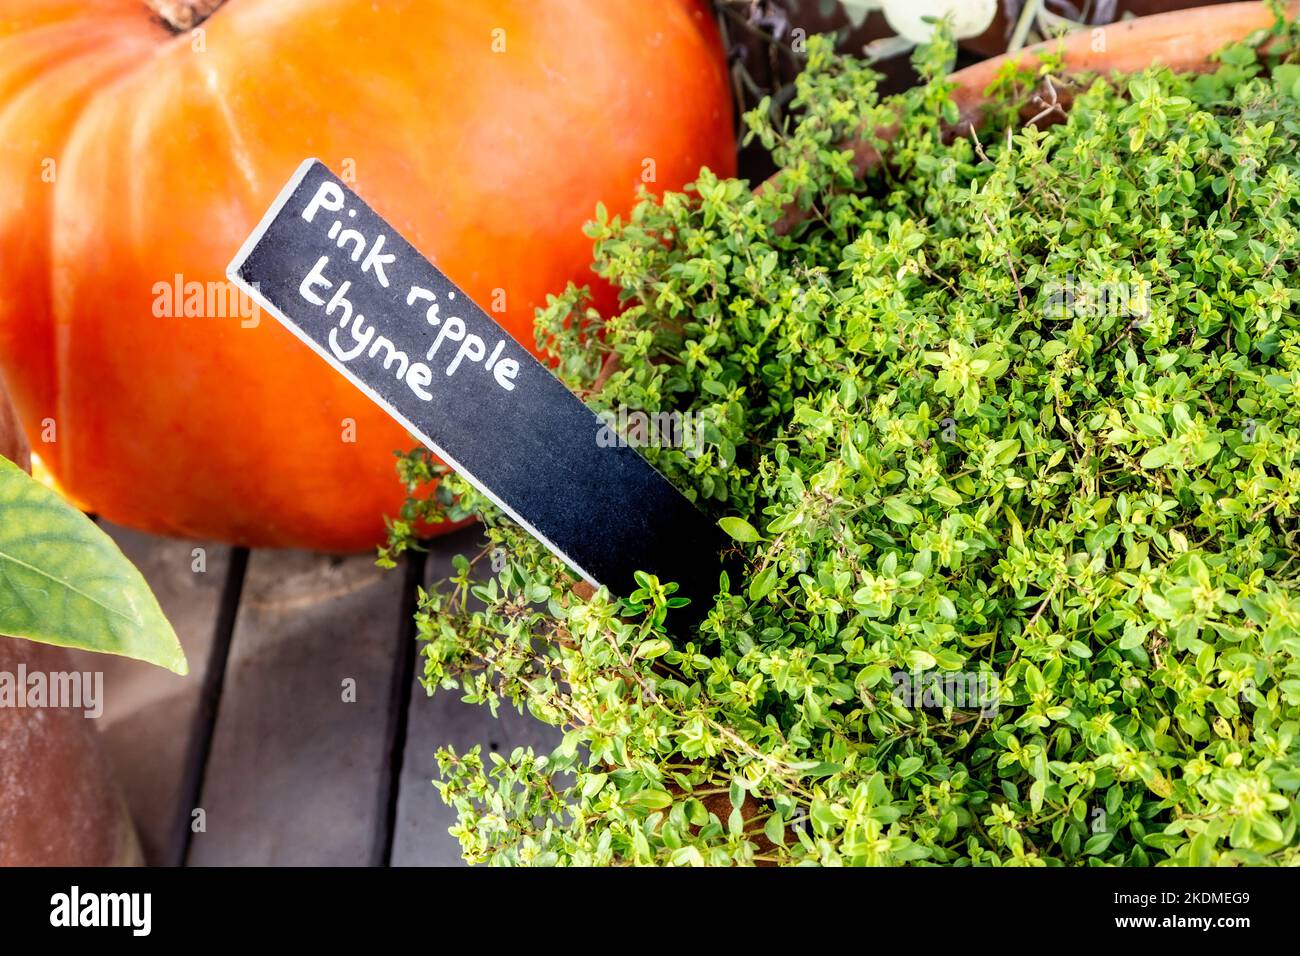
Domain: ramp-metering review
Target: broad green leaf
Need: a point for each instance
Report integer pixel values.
(649, 800)
(739, 529)
(900, 511)
(919, 658)
(63, 581)
(1159, 457)
(945, 496)
(1098, 842)
(1286, 77)
(774, 829)
(909, 765)
(762, 583)
(653, 648)
(1036, 791)
(1034, 679)
(1149, 425)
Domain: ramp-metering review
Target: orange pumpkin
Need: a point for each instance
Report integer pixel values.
(135, 159)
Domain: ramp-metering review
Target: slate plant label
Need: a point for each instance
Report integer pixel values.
(347, 284)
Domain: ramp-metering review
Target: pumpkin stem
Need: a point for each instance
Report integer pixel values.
(182, 15)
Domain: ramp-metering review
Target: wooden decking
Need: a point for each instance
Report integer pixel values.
(301, 735)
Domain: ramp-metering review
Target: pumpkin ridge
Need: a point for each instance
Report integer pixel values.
(62, 327)
(215, 87)
(86, 41)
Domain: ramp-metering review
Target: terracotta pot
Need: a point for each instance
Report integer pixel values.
(1181, 40)
(59, 805)
(993, 41)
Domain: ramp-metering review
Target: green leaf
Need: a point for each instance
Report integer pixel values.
(919, 658)
(653, 648)
(63, 581)
(774, 829)
(1098, 842)
(1159, 457)
(762, 583)
(649, 800)
(946, 496)
(909, 765)
(1286, 77)
(1034, 679)
(739, 529)
(900, 511)
(1149, 425)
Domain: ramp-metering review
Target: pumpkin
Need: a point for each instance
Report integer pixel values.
(136, 158)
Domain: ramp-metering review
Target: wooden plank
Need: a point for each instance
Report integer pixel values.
(299, 766)
(149, 713)
(420, 836)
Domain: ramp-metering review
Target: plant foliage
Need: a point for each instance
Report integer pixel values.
(937, 464)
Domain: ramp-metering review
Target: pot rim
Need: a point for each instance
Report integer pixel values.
(1180, 39)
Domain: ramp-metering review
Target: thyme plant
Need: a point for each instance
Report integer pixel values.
(1014, 411)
